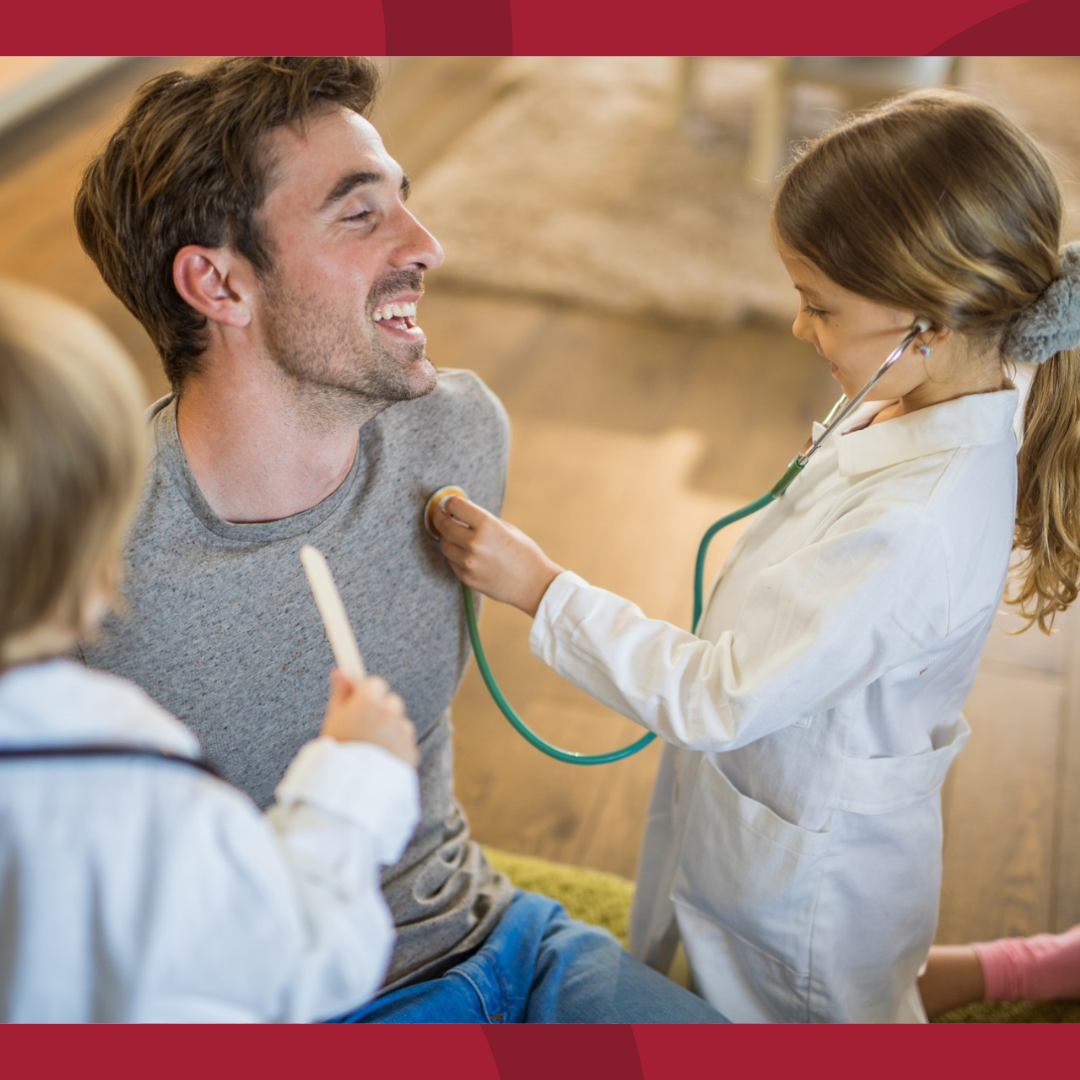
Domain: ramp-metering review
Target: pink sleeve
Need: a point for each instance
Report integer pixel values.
(1039, 968)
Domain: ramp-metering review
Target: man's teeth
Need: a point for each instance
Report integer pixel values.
(394, 311)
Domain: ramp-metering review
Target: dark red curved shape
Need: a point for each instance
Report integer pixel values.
(1026, 29)
(448, 27)
(524, 1052)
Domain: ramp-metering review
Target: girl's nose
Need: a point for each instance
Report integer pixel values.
(802, 329)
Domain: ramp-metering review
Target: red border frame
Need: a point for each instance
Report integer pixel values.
(437, 1052)
(491, 27)
(495, 27)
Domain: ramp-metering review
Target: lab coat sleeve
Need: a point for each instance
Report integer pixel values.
(831, 617)
(289, 923)
(343, 809)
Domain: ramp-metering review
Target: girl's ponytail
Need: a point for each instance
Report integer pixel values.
(1048, 504)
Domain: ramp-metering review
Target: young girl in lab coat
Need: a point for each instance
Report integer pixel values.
(137, 887)
(794, 838)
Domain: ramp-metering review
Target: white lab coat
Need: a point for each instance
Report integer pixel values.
(135, 889)
(794, 837)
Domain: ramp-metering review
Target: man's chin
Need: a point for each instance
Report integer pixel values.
(417, 380)
(429, 377)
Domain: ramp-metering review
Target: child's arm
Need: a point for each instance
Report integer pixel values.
(492, 556)
(953, 977)
(1045, 967)
(280, 917)
(1040, 968)
(815, 627)
(346, 805)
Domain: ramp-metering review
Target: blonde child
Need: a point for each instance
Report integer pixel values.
(136, 886)
(794, 838)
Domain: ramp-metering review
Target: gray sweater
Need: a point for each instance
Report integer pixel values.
(221, 629)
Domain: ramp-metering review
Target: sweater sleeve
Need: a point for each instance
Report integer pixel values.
(1041, 968)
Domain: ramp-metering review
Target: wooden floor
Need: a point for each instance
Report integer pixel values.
(629, 438)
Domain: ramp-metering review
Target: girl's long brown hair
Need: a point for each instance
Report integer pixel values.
(936, 202)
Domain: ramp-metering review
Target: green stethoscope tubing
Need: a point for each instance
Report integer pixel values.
(569, 756)
(522, 728)
(838, 412)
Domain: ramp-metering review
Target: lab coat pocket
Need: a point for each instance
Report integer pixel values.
(752, 880)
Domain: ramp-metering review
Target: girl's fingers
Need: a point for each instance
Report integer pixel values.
(456, 557)
(377, 687)
(471, 514)
(455, 553)
(446, 525)
(340, 686)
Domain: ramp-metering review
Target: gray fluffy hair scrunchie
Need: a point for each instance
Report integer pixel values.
(1052, 323)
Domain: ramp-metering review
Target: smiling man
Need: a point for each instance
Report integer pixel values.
(251, 218)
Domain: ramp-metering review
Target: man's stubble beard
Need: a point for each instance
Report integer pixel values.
(335, 366)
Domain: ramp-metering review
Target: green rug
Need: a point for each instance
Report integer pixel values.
(604, 900)
(589, 895)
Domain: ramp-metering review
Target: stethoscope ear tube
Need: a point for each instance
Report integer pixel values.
(843, 408)
(723, 523)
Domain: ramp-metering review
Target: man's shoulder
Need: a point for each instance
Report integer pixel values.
(459, 433)
(460, 398)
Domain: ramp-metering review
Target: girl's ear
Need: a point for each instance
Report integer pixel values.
(216, 282)
(933, 338)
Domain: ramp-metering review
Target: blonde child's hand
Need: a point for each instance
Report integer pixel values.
(368, 711)
(492, 556)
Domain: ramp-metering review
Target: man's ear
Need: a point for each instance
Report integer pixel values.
(215, 282)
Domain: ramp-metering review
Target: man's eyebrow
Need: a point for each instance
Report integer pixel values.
(351, 181)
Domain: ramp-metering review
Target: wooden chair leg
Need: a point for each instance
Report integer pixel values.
(769, 134)
(687, 78)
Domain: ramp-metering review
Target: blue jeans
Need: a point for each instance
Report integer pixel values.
(539, 966)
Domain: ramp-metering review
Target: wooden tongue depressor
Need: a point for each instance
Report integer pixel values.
(332, 610)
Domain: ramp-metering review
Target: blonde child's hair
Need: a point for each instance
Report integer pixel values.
(937, 203)
(72, 458)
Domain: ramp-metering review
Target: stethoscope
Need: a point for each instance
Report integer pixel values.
(837, 414)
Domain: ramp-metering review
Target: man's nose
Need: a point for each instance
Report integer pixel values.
(419, 248)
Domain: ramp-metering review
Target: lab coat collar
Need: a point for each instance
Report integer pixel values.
(61, 703)
(972, 420)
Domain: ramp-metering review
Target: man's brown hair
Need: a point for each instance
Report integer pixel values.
(187, 166)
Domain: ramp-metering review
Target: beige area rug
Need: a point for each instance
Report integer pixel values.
(580, 184)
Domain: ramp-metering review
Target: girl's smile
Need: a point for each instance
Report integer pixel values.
(854, 335)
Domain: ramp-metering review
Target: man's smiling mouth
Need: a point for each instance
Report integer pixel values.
(399, 316)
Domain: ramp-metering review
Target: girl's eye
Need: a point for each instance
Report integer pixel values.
(813, 312)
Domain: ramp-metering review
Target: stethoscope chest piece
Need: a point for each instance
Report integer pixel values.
(436, 499)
